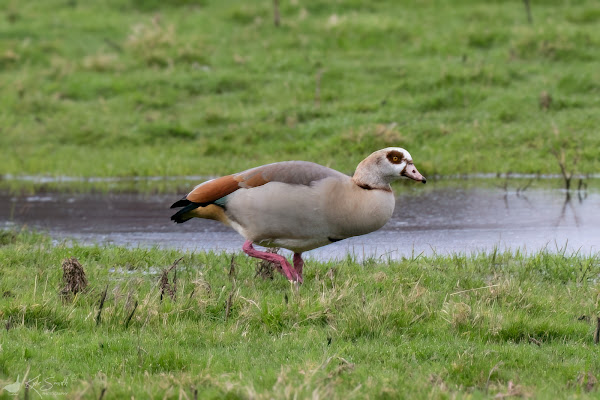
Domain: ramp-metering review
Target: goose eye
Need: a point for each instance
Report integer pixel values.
(395, 158)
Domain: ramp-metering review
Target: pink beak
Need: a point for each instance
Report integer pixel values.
(410, 171)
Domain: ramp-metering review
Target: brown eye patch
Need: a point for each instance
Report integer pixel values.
(395, 157)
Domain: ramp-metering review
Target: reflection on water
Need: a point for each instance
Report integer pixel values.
(448, 220)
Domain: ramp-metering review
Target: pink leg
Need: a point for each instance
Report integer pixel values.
(286, 268)
(298, 264)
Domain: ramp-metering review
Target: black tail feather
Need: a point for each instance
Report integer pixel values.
(188, 206)
(181, 203)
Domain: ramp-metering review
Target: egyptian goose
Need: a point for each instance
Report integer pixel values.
(300, 205)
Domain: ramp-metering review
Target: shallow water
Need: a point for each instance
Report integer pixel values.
(442, 221)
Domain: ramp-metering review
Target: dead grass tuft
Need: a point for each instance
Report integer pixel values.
(545, 100)
(317, 382)
(74, 277)
(101, 62)
(380, 276)
(459, 313)
(342, 367)
(438, 382)
(9, 57)
(61, 67)
(587, 381)
(146, 36)
(513, 390)
(152, 42)
(201, 285)
(157, 44)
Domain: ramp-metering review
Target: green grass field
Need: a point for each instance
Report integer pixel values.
(150, 88)
(181, 87)
(427, 327)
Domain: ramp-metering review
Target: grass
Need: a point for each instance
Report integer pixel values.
(182, 87)
(474, 326)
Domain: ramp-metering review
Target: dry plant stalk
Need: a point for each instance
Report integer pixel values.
(567, 175)
(562, 163)
(528, 11)
(232, 271)
(131, 315)
(318, 88)
(102, 299)
(74, 277)
(545, 100)
(165, 286)
(228, 306)
(276, 14)
(331, 275)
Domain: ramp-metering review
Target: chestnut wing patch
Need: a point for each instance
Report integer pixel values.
(213, 190)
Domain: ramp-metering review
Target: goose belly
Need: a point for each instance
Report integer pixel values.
(278, 214)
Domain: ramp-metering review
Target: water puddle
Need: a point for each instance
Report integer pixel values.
(442, 221)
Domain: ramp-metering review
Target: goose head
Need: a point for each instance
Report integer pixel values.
(382, 167)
